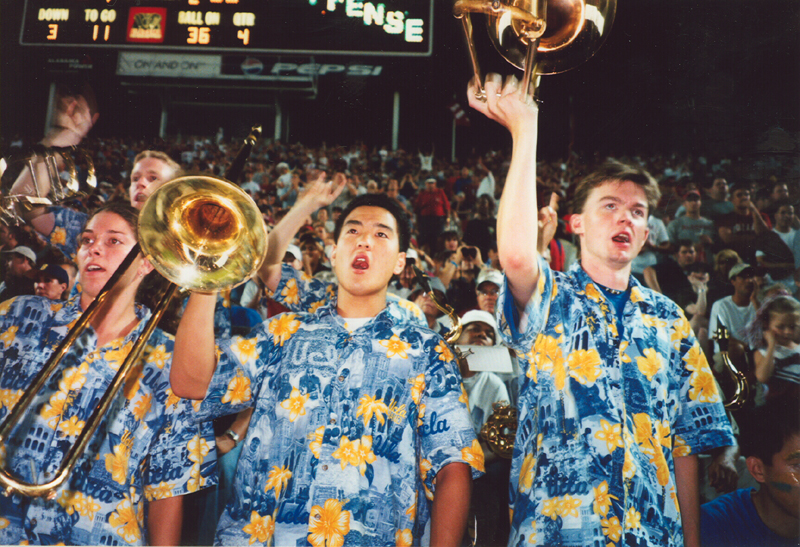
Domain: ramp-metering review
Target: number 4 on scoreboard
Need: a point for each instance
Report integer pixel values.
(244, 36)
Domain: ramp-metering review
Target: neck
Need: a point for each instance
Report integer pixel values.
(774, 517)
(782, 229)
(693, 214)
(115, 318)
(612, 278)
(431, 321)
(350, 305)
(741, 299)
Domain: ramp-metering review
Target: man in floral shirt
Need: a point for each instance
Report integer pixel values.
(148, 447)
(617, 398)
(360, 433)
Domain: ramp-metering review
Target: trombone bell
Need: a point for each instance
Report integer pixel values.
(203, 233)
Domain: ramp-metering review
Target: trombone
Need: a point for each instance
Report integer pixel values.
(202, 233)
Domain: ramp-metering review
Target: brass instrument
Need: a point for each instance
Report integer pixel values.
(538, 36)
(455, 331)
(43, 161)
(742, 393)
(500, 428)
(216, 229)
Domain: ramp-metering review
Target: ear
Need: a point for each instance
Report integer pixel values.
(401, 264)
(333, 255)
(756, 468)
(646, 235)
(576, 223)
(144, 268)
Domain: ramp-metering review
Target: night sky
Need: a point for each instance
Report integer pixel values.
(708, 77)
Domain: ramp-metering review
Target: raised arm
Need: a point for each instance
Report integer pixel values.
(517, 228)
(195, 356)
(318, 194)
(74, 117)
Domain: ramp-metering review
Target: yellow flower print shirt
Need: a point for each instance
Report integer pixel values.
(340, 450)
(145, 448)
(607, 402)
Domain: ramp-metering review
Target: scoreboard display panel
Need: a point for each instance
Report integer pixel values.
(356, 27)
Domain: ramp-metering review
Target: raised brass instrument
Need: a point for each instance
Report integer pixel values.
(202, 233)
(44, 162)
(742, 392)
(538, 36)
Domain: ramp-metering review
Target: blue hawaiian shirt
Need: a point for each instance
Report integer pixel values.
(349, 429)
(301, 293)
(66, 230)
(602, 415)
(148, 445)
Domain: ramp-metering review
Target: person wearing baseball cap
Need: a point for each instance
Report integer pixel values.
(484, 388)
(20, 261)
(737, 311)
(487, 287)
(51, 282)
(691, 225)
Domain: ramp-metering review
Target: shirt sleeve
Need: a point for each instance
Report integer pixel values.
(182, 455)
(445, 428)
(300, 293)
(701, 422)
(520, 331)
(66, 229)
(243, 362)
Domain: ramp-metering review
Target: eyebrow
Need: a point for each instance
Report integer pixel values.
(359, 223)
(618, 200)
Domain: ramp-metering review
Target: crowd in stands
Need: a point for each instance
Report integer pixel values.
(722, 244)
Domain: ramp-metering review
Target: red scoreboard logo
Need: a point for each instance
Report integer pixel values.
(146, 25)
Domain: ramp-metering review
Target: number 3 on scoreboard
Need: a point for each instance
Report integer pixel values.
(199, 35)
(53, 34)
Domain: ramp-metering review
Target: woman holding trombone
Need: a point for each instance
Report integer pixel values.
(147, 447)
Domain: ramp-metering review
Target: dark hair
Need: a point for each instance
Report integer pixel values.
(771, 426)
(128, 213)
(384, 202)
(684, 243)
(614, 171)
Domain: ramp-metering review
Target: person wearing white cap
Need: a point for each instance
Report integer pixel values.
(20, 263)
(487, 288)
(736, 311)
(489, 500)
(616, 383)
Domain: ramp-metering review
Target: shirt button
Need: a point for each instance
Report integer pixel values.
(33, 522)
(324, 467)
(341, 378)
(333, 420)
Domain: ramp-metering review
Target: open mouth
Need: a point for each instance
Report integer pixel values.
(621, 238)
(360, 263)
(91, 268)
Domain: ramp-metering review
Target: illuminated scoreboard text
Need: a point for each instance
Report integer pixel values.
(391, 27)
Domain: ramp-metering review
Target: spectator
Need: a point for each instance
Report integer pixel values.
(775, 248)
(487, 288)
(51, 282)
(432, 208)
(737, 311)
(716, 202)
(699, 230)
(769, 516)
(18, 280)
(738, 229)
(777, 358)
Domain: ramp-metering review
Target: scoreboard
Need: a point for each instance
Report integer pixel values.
(356, 27)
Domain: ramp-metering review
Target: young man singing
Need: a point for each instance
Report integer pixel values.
(360, 434)
(617, 398)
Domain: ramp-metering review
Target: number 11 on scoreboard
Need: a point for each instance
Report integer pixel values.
(105, 32)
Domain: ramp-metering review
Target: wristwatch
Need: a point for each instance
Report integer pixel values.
(232, 435)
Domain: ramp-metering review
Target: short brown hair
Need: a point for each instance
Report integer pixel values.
(615, 171)
(159, 155)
